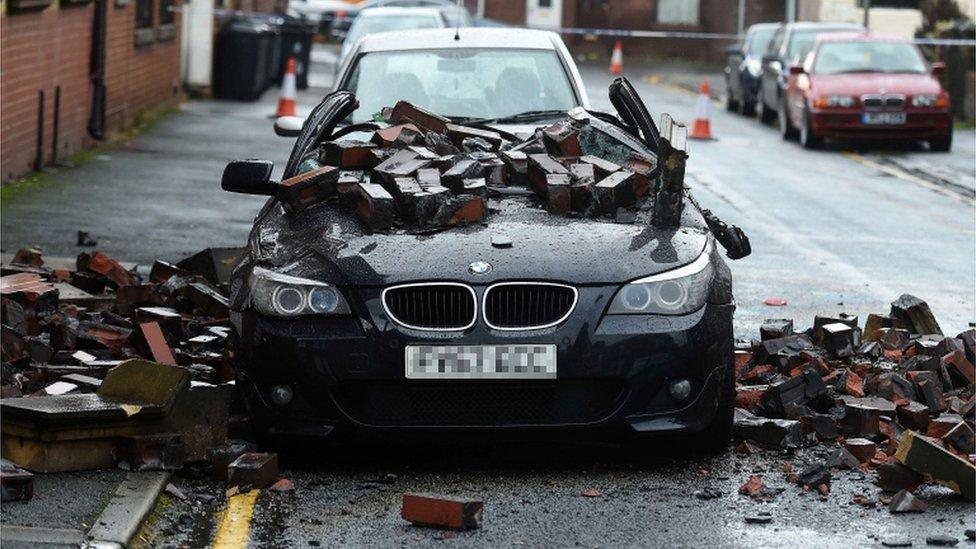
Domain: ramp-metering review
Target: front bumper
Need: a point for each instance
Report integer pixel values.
(347, 374)
(848, 125)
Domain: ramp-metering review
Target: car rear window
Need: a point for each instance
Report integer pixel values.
(462, 83)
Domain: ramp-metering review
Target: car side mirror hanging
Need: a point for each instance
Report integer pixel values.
(732, 238)
(249, 177)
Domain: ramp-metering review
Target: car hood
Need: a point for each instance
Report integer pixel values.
(327, 243)
(865, 83)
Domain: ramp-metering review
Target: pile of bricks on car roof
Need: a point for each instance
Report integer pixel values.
(424, 172)
(103, 368)
(893, 396)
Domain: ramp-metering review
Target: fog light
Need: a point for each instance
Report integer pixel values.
(680, 389)
(281, 395)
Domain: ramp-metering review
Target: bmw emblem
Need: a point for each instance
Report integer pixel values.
(479, 268)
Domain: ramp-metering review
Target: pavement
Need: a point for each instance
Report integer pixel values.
(843, 229)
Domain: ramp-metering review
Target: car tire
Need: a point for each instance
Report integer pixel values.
(786, 129)
(716, 437)
(731, 104)
(942, 143)
(766, 114)
(747, 108)
(808, 138)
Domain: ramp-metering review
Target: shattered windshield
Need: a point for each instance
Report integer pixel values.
(466, 83)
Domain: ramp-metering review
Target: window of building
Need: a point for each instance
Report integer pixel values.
(145, 32)
(166, 15)
(167, 21)
(677, 12)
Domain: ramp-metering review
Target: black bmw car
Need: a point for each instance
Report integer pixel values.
(527, 322)
(743, 68)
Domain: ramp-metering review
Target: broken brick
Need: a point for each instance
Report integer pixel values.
(862, 448)
(101, 263)
(308, 188)
(458, 134)
(159, 349)
(561, 139)
(906, 502)
(914, 415)
(916, 314)
(404, 112)
(926, 457)
(540, 166)
(771, 433)
(253, 469)
(961, 438)
(222, 456)
(617, 190)
(558, 194)
(375, 207)
(960, 368)
(775, 328)
(347, 154)
(399, 134)
(442, 511)
(893, 476)
(16, 484)
(163, 452)
(797, 390)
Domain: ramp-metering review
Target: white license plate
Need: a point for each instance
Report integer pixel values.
(882, 118)
(480, 362)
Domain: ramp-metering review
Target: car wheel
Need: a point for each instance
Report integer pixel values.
(808, 138)
(786, 128)
(747, 108)
(766, 114)
(716, 437)
(731, 104)
(942, 143)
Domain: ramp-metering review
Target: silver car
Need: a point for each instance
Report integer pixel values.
(513, 79)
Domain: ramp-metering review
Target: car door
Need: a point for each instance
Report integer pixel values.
(772, 65)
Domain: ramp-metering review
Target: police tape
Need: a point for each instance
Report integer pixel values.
(627, 33)
(617, 33)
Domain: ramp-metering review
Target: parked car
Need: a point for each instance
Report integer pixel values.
(342, 23)
(861, 86)
(632, 346)
(324, 13)
(789, 46)
(744, 67)
(379, 20)
(513, 77)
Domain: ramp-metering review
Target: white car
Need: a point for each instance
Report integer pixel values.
(379, 20)
(321, 12)
(505, 77)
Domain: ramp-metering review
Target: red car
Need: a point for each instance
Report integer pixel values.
(863, 86)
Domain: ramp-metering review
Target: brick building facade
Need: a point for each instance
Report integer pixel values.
(710, 16)
(46, 48)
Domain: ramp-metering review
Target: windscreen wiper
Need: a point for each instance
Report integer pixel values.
(527, 116)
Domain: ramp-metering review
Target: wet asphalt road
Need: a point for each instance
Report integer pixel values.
(533, 498)
(829, 233)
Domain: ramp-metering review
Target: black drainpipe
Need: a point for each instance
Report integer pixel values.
(96, 121)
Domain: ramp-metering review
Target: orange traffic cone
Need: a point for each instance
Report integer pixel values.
(701, 129)
(617, 59)
(286, 105)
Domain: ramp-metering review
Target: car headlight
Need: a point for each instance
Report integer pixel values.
(680, 291)
(281, 295)
(832, 101)
(929, 101)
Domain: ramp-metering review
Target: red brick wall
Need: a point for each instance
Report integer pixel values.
(716, 16)
(43, 50)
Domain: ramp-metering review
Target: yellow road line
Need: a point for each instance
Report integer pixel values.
(234, 528)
